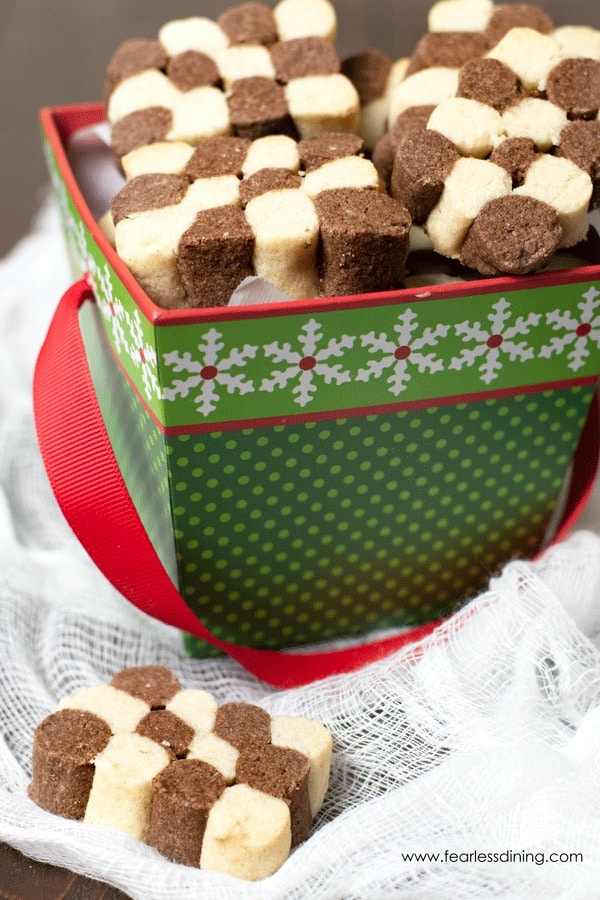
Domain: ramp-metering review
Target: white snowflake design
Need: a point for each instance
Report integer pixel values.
(308, 363)
(578, 333)
(74, 230)
(77, 237)
(494, 342)
(402, 352)
(110, 306)
(209, 371)
(126, 329)
(142, 354)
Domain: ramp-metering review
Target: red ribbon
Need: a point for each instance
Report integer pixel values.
(90, 490)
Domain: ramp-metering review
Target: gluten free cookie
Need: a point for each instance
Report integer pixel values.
(309, 217)
(252, 72)
(226, 788)
(497, 116)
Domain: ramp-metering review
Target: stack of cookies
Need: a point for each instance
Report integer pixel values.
(251, 150)
(309, 217)
(225, 788)
(494, 139)
(252, 72)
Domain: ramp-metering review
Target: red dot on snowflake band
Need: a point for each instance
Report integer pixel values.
(307, 363)
(583, 329)
(494, 341)
(209, 372)
(402, 352)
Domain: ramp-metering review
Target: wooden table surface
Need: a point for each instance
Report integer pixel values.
(25, 879)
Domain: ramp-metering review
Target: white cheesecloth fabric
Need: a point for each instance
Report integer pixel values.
(488, 742)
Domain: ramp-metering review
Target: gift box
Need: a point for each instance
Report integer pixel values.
(318, 469)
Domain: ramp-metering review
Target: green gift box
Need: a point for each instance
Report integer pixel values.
(310, 470)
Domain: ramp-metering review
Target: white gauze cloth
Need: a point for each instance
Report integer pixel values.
(471, 771)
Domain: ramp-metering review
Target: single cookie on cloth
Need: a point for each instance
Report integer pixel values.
(225, 788)
(312, 739)
(121, 792)
(64, 752)
(248, 834)
(118, 708)
(184, 794)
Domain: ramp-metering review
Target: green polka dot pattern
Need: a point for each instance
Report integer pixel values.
(306, 532)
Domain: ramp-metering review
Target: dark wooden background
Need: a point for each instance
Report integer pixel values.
(24, 879)
(55, 51)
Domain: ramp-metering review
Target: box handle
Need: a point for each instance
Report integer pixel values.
(94, 499)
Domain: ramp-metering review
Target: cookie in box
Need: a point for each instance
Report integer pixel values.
(254, 71)
(494, 136)
(310, 218)
(228, 787)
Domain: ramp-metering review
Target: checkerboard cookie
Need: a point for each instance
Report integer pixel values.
(497, 105)
(309, 217)
(252, 72)
(227, 788)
